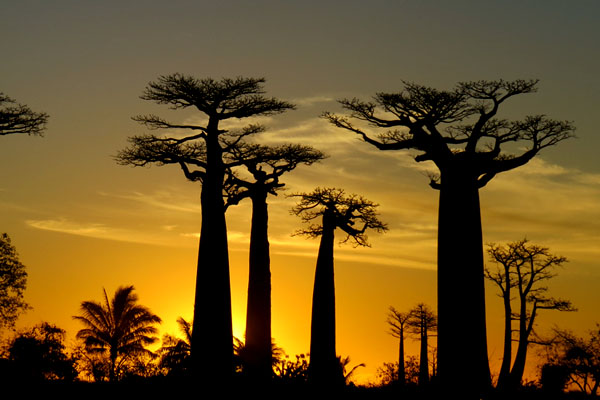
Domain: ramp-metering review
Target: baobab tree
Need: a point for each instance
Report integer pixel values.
(421, 321)
(458, 130)
(264, 167)
(335, 210)
(397, 321)
(204, 155)
(18, 118)
(522, 267)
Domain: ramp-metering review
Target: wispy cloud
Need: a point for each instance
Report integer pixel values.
(160, 199)
(101, 231)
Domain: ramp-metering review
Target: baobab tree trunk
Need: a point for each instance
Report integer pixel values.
(423, 359)
(462, 345)
(323, 363)
(525, 328)
(504, 375)
(401, 366)
(258, 316)
(212, 333)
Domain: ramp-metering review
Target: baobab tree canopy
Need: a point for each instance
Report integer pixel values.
(19, 118)
(457, 129)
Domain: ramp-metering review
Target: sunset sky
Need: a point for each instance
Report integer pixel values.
(82, 223)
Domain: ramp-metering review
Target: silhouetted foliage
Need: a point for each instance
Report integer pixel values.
(522, 269)
(336, 210)
(39, 354)
(397, 321)
(175, 353)
(206, 155)
(120, 328)
(421, 321)
(458, 130)
(388, 373)
(13, 280)
(264, 166)
(18, 118)
(573, 361)
(291, 371)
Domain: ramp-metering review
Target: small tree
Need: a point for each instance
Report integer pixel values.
(39, 354)
(175, 352)
(397, 322)
(336, 210)
(573, 361)
(17, 118)
(120, 328)
(524, 268)
(421, 321)
(13, 280)
(458, 130)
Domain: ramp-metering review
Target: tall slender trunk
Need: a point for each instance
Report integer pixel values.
(323, 363)
(401, 365)
(504, 376)
(212, 333)
(463, 365)
(525, 328)
(423, 359)
(258, 316)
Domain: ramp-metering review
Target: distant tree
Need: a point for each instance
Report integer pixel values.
(18, 118)
(120, 327)
(397, 322)
(204, 155)
(264, 167)
(336, 210)
(39, 354)
(291, 371)
(459, 132)
(573, 361)
(421, 321)
(387, 374)
(13, 280)
(523, 268)
(175, 352)
(344, 363)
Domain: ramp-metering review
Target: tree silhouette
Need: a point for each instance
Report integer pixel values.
(175, 352)
(336, 210)
(397, 321)
(39, 354)
(459, 132)
(18, 118)
(420, 322)
(13, 280)
(573, 360)
(523, 267)
(119, 326)
(204, 155)
(264, 165)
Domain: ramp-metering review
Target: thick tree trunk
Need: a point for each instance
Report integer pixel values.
(212, 333)
(323, 369)
(258, 317)
(463, 365)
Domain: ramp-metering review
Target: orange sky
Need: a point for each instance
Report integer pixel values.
(82, 223)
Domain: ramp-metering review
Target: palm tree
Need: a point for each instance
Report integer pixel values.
(119, 326)
(175, 353)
